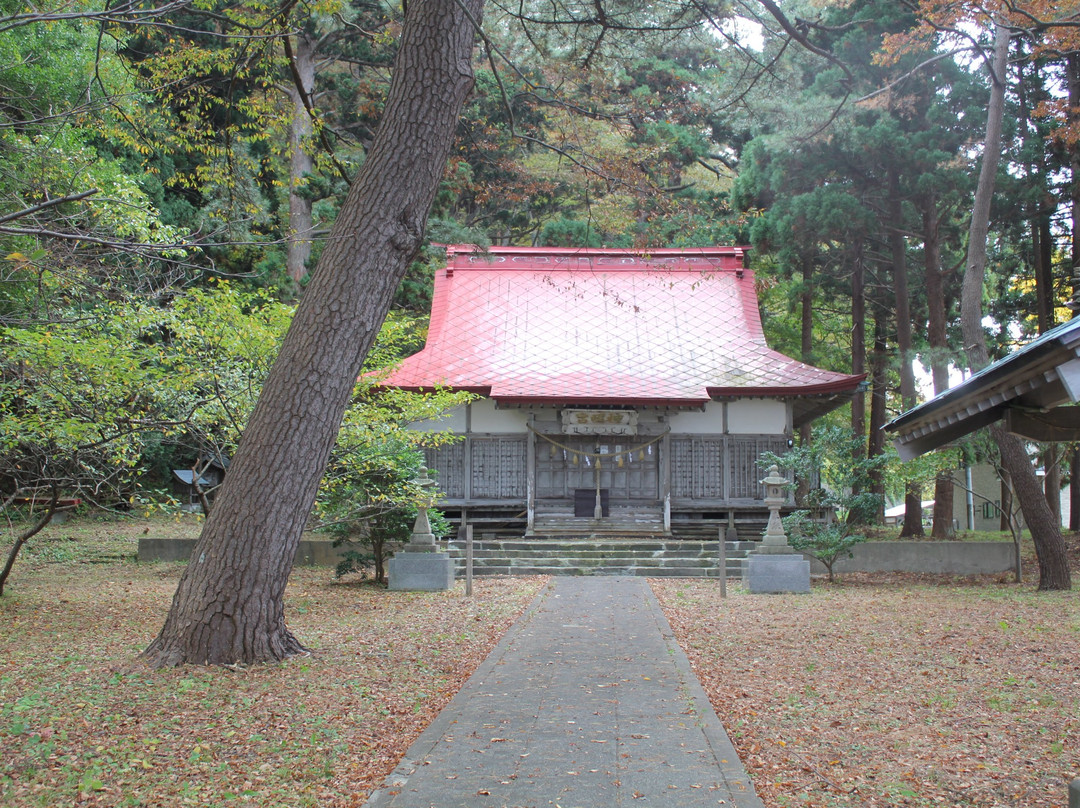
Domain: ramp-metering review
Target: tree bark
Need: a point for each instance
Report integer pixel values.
(1072, 65)
(1074, 489)
(913, 525)
(301, 163)
(1042, 256)
(806, 301)
(228, 607)
(29, 533)
(1045, 533)
(858, 340)
(937, 337)
(878, 391)
(1006, 520)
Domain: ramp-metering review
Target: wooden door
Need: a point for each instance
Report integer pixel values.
(630, 474)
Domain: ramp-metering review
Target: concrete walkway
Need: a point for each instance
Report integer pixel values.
(587, 702)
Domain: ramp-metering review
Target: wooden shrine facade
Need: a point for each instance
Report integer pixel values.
(676, 469)
(613, 386)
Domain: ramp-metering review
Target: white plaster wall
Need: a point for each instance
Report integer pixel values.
(485, 418)
(757, 416)
(453, 420)
(709, 422)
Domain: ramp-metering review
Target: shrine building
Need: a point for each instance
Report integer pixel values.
(620, 391)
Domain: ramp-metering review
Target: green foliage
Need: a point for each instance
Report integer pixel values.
(836, 501)
(369, 546)
(570, 232)
(66, 176)
(827, 541)
(107, 393)
(106, 401)
(371, 512)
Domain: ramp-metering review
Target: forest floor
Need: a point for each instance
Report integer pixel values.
(893, 689)
(875, 690)
(84, 722)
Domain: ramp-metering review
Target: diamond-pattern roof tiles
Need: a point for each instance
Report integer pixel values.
(603, 326)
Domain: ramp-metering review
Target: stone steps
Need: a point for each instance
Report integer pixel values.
(612, 527)
(556, 555)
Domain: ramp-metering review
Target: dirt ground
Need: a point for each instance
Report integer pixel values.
(875, 690)
(893, 689)
(84, 722)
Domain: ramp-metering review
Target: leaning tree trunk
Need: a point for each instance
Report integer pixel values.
(228, 607)
(1045, 533)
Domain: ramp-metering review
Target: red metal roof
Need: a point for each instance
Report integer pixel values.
(599, 326)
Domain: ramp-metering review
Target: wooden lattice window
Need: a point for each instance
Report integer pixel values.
(448, 466)
(745, 467)
(498, 468)
(697, 468)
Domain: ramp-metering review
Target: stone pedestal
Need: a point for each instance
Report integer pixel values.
(775, 573)
(427, 572)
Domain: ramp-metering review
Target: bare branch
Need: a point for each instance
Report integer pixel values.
(800, 37)
(49, 204)
(900, 79)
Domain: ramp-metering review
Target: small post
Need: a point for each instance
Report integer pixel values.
(1074, 793)
(723, 562)
(468, 560)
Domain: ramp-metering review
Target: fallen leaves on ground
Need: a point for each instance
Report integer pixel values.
(84, 722)
(887, 690)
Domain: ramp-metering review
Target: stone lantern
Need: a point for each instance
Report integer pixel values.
(422, 539)
(420, 565)
(773, 567)
(774, 540)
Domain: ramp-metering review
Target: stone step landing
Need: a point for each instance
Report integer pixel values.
(557, 555)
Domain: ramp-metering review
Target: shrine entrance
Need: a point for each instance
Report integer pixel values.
(573, 472)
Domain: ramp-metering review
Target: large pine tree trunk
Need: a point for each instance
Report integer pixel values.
(1040, 207)
(898, 251)
(879, 381)
(858, 348)
(1045, 532)
(1072, 64)
(228, 606)
(858, 339)
(936, 334)
(806, 301)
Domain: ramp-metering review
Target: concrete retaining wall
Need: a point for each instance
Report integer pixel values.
(313, 552)
(943, 557)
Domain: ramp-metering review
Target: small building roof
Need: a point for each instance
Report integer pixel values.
(1023, 388)
(667, 327)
